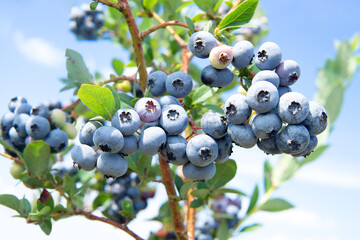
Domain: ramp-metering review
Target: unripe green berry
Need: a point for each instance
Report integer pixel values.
(70, 130)
(16, 169)
(58, 117)
(220, 57)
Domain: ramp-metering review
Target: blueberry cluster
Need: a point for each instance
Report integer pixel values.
(124, 188)
(224, 208)
(25, 124)
(85, 23)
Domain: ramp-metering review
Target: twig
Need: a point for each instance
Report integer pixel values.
(72, 105)
(168, 181)
(15, 159)
(120, 78)
(164, 25)
(191, 212)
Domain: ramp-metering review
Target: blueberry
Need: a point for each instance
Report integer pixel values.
(84, 156)
(213, 77)
(74, 27)
(7, 122)
(316, 121)
(268, 145)
(201, 43)
(282, 90)
(16, 140)
(138, 91)
(126, 120)
(70, 130)
(19, 124)
(269, 56)
(242, 135)
(87, 132)
(167, 100)
(114, 210)
(173, 119)
(225, 148)
(40, 110)
(130, 145)
(232, 210)
(99, 20)
(108, 139)
(57, 140)
(195, 173)
(152, 124)
(118, 189)
(293, 107)
(139, 205)
(243, 54)
(37, 127)
(156, 81)
(262, 97)
(77, 14)
(236, 109)
(202, 150)
(289, 72)
(266, 125)
(149, 109)
(220, 57)
(179, 84)
(133, 192)
(309, 149)
(175, 150)
(29, 140)
(15, 102)
(214, 124)
(268, 76)
(57, 117)
(23, 108)
(293, 139)
(152, 140)
(111, 165)
(88, 30)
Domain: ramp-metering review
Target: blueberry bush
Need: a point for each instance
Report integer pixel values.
(166, 123)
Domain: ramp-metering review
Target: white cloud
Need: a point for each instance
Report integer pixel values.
(39, 50)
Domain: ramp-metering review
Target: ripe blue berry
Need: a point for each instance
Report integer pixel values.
(201, 43)
(40, 110)
(17, 140)
(173, 119)
(202, 150)
(37, 127)
(152, 140)
(214, 124)
(243, 54)
(175, 150)
(126, 120)
(57, 140)
(282, 90)
(293, 107)
(108, 139)
(316, 121)
(19, 124)
(293, 139)
(167, 100)
(111, 165)
(225, 148)
(23, 108)
(148, 109)
(269, 56)
(268, 145)
(220, 57)
(266, 125)
(15, 102)
(262, 96)
(213, 77)
(289, 72)
(179, 84)
(156, 81)
(196, 173)
(84, 156)
(7, 122)
(309, 149)
(242, 135)
(236, 109)
(130, 145)
(268, 76)
(87, 132)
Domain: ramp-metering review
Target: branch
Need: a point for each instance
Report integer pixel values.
(119, 6)
(164, 25)
(15, 159)
(120, 78)
(71, 106)
(191, 212)
(173, 202)
(96, 218)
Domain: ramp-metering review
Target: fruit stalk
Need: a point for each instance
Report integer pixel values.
(168, 181)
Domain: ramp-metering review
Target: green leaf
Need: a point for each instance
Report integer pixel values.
(251, 227)
(115, 96)
(314, 155)
(223, 231)
(118, 66)
(206, 5)
(240, 15)
(190, 23)
(186, 187)
(127, 207)
(10, 201)
(215, 108)
(224, 173)
(149, 4)
(284, 170)
(267, 175)
(68, 185)
(46, 226)
(196, 203)
(93, 5)
(42, 214)
(45, 199)
(25, 207)
(228, 190)
(178, 182)
(124, 98)
(275, 205)
(37, 158)
(76, 67)
(254, 199)
(201, 194)
(201, 94)
(100, 199)
(208, 27)
(99, 99)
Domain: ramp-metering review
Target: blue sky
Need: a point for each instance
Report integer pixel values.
(33, 39)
